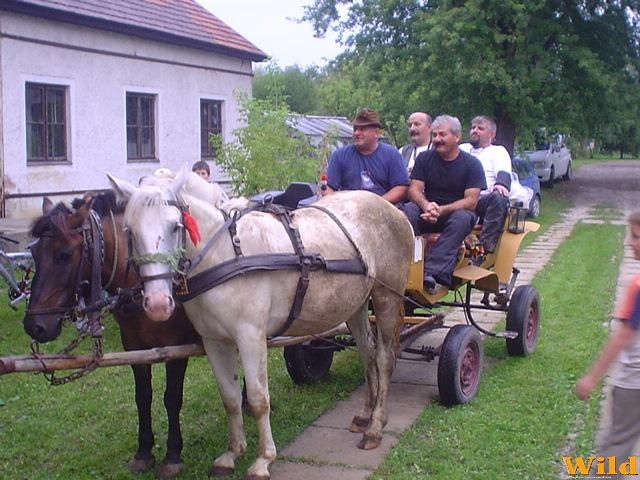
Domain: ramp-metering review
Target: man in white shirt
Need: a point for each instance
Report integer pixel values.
(419, 125)
(494, 201)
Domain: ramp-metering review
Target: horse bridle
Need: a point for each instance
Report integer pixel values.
(175, 258)
(93, 250)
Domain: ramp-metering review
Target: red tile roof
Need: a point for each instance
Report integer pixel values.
(183, 22)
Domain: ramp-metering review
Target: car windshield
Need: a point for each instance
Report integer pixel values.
(522, 168)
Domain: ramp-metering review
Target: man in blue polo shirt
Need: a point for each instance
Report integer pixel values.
(368, 164)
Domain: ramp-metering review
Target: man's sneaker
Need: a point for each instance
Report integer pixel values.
(430, 284)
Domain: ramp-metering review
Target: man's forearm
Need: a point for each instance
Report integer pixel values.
(396, 194)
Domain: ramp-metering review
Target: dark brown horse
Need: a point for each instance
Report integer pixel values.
(64, 271)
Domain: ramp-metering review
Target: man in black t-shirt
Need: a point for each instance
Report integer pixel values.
(445, 186)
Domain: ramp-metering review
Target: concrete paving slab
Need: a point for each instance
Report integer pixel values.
(284, 470)
(341, 415)
(338, 446)
(417, 372)
(406, 402)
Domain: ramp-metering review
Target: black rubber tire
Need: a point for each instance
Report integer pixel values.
(568, 174)
(460, 365)
(523, 317)
(549, 184)
(534, 206)
(306, 363)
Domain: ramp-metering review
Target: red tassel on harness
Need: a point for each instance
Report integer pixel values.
(192, 227)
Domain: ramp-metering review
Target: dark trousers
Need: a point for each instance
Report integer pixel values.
(443, 256)
(492, 210)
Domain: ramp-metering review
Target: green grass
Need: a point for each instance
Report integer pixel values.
(526, 410)
(87, 429)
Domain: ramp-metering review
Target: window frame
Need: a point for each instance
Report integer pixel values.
(47, 124)
(207, 105)
(140, 127)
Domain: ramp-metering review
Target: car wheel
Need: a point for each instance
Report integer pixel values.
(552, 176)
(534, 206)
(569, 174)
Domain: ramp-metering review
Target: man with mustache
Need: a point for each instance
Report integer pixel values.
(494, 201)
(419, 125)
(445, 186)
(368, 164)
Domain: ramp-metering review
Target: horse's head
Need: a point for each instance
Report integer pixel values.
(57, 254)
(154, 219)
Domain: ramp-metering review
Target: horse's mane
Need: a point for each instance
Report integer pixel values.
(55, 220)
(196, 193)
(106, 203)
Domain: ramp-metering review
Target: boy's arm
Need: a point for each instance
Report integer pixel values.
(622, 337)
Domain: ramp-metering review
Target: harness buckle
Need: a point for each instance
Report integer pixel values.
(181, 287)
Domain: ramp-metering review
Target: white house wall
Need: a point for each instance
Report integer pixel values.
(99, 68)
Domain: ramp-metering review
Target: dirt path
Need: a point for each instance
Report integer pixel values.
(616, 183)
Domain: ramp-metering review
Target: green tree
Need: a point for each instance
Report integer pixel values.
(266, 152)
(292, 85)
(525, 62)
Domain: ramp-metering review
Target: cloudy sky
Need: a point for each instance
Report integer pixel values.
(267, 25)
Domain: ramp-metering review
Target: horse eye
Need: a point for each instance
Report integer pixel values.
(62, 257)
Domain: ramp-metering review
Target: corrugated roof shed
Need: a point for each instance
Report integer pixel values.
(182, 22)
(321, 126)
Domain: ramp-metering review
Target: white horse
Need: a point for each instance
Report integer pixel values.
(236, 316)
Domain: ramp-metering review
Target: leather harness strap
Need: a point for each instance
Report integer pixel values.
(299, 260)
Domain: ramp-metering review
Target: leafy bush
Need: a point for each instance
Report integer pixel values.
(266, 153)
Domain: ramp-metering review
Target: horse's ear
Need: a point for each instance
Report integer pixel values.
(180, 179)
(47, 205)
(123, 189)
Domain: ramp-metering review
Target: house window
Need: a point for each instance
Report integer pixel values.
(141, 135)
(46, 107)
(210, 122)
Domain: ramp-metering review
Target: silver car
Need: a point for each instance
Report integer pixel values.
(551, 162)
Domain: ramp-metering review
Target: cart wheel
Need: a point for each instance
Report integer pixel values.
(523, 317)
(460, 365)
(306, 363)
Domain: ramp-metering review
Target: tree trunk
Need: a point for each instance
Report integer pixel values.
(506, 133)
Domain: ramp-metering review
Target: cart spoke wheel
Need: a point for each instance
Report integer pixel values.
(460, 365)
(523, 317)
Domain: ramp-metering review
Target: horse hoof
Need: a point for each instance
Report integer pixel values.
(141, 465)
(166, 471)
(369, 442)
(359, 424)
(216, 471)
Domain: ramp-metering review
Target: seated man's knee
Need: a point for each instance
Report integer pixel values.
(464, 217)
(412, 212)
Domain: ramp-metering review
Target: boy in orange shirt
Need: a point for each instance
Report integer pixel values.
(623, 345)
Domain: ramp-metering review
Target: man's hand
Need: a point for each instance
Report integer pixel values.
(501, 189)
(431, 212)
